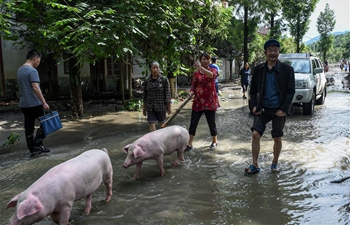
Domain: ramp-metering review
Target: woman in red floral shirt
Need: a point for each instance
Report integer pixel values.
(205, 98)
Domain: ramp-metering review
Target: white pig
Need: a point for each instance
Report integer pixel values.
(155, 145)
(54, 193)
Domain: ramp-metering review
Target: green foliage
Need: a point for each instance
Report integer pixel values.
(183, 94)
(232, 47)
(273, 17)
(287, 45)
(12, 139)
(340, 48)
(171, 32)
(325, 26)
(297, 14)
(166, 31)
(346, 46)
(4, 19)
(177, 31)
(133, 104)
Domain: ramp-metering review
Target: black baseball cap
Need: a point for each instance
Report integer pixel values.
(271, 42)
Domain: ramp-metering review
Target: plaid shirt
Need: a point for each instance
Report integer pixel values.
(156, 94)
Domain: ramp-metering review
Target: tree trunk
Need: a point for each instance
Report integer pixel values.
(130, 74)
(297, 37)
(75, 85)
(122, 80)
(245, 48)
(272, 26)
(231, 74)
(2, 73)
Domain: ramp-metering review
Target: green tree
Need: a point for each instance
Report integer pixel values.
(273, 17)
(181, 32)
(250, 12)
(297, 14)
(4, 29)
(88, 31)
(4, 18)
(232, 48)
(340, 48)
(325, 25)
(346, 46)
(288, 45)
(33, 27)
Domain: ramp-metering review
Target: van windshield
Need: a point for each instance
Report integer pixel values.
(299, 65)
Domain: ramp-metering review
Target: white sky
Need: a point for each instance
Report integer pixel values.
(341, 10)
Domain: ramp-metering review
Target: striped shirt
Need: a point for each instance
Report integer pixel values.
(26, 75)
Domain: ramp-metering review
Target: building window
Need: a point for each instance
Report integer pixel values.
(113, 67)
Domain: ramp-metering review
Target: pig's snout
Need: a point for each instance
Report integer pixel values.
(125, 165)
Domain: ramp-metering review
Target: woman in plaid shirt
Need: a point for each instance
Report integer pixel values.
(156, 97)
(205, 98)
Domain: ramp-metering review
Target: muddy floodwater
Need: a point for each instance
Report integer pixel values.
(209, 187)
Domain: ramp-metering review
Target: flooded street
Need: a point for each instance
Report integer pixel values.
(209, 187)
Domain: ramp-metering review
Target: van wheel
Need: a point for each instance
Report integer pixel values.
(308, 108)
(321, 100)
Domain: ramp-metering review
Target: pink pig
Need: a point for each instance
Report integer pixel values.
(54, 193)
(155, 145)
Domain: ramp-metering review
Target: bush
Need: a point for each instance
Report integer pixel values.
(133, 104)
(12, 139)
(183, 94)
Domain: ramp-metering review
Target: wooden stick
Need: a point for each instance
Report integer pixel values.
(177, 110)
(340, 180)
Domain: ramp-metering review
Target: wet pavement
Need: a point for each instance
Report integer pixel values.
(209, 187)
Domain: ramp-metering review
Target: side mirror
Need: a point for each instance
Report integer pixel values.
(318, 70)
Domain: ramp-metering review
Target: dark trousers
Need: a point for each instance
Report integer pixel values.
(217, 88)
(244, 87)
(210, 116)
(30, 115)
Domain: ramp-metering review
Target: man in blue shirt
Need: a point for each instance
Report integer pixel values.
(213, 65)
(272, 91)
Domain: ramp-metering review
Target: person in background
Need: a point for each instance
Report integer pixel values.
(205, 99)
(341, 65)
(172, 82)
(156, 97)
(32, 102)
(345, 65)
(245, 73)
(214, 65)
(325, 64)
(271, 93)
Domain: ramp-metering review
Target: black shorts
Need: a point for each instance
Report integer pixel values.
(153, 117)
(266, 116)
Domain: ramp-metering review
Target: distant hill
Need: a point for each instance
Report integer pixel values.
(318, 37)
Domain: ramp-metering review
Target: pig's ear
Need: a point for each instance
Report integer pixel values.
(28, 207)
(138, 152)
(126, 149)
(13, 202)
